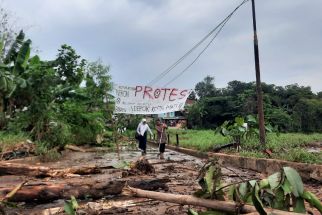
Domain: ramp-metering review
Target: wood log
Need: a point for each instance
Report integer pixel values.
(74, 148)
(42, 171)
(49, 191)
(224, 206)
(23, 169)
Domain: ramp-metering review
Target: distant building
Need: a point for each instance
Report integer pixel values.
(178, 118)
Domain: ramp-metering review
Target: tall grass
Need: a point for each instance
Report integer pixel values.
(203, 140)
(288, 146)
(8, 140)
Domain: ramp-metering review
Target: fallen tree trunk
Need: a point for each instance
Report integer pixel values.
(42, 171)
(74, 148)
(224, 206)
(49, 191)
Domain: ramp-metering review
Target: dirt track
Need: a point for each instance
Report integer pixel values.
(181, 169)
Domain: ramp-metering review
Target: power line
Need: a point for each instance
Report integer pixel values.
(219, 26)
(206, 47)
(165, 72)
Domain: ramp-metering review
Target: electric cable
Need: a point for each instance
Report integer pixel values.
(219, 26)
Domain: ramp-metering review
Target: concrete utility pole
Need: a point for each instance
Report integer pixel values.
(260, 108)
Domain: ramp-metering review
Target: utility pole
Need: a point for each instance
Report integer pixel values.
(260, 108)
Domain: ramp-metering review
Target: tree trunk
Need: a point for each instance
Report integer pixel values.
(2, 115)
(49, 191)
(224, 206)
(1, 103)
(42, 171)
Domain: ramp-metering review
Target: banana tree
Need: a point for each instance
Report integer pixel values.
(12, 68)
(241, 129)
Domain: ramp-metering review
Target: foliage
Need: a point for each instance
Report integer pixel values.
(285, 146)
(203, 140)
(58, 101)
(282, 190)
(70, 206)
(210, 181)
(292, 108)
(45, 153)
(206, 88)
(7, 140)
(240, 129)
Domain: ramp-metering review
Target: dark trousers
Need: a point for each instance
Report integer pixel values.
(161, 147)
(142, 142)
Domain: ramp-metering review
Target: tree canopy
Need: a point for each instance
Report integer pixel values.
(292, 108)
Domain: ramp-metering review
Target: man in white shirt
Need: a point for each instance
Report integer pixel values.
(142, 129)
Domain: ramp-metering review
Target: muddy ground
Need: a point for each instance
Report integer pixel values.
(181, 169)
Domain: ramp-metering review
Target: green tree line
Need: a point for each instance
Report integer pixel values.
(59, 101)
(292, 108)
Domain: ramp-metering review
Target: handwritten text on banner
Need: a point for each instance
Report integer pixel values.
(149, 100)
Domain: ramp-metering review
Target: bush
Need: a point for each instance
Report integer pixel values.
(46, 153)
(58, 134)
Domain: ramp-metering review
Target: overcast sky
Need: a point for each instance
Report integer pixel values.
(139, 39)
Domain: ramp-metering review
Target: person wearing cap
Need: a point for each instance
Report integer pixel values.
(142, 130)
(162, 137)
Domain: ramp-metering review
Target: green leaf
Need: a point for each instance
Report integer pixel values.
(1, 45)
(12, 87)
(224, 132)
(68, 207)
(251, 118)
(209, 177)
(279, 200)
(299, 205)
(239, 120)
(295, 181)
(13, 49)
(243, 189)
(3, 83)
(242, 129)
(269, 128)
(74, 202)
(231, 191)
(286, 186)
(252, 183)
(192, 212)
(263, 183)
(257, 201)
(22, 58)
(274, 180)
(313, 200)
(21, 82)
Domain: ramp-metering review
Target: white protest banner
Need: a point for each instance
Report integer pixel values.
(149, 100)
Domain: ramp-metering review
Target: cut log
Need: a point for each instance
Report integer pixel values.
(49, 191)
(42, 171)
(224, 206)
(74, 148)
(23, 169)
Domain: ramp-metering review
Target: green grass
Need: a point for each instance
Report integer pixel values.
(203, 140)
(8, 140)
(288, 146)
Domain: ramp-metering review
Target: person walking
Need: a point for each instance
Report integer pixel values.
(142, 130)
(162, 137)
